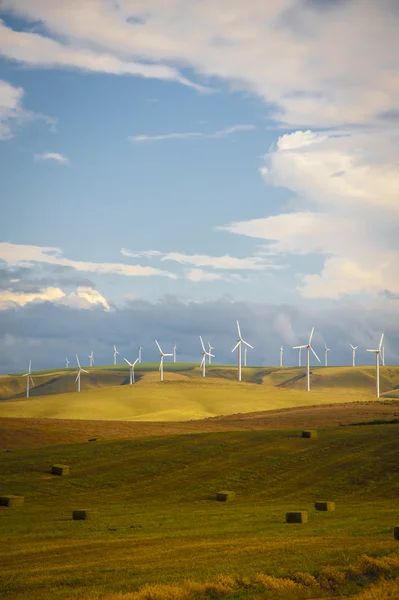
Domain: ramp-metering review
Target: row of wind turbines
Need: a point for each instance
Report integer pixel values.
(240, 346)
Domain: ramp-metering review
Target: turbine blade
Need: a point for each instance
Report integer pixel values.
(202, 343)
(372, 350)
(202, 361)
(311, 336)
(84, 371)
(77, 376)
(209, 354)
(129, 363)
(379, 347)
(159, 347)
(297, 347)
(249, 345)
(239, 330)
(236, 346)
(31, 380)
(137, 360)
(77, 360)
(30, 365)
(168, 354)
(315, 353)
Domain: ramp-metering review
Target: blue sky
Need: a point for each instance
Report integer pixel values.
(230, 162)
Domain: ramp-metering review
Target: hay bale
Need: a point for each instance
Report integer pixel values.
(60, 470)
(225, 496)
(309, 433)
(325, 506)
(93, 440)
(81, 515)
(396, 533)
(11, 501)
(300, 516)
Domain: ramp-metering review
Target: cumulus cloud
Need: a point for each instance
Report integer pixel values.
(25, 255)
(12, 112)
(54, 156)
(346, 188)
(84, 297)
(221, 133)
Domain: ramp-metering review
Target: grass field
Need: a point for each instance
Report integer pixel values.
(184, 394)
(156, 520)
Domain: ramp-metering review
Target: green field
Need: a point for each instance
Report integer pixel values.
(185, 395)
(155, 518)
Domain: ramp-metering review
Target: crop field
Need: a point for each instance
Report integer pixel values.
(157, 532)
(185, 395)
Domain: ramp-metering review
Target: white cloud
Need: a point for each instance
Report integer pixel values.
(198, 275)
(84, 297)
(221, 133)
(22, 255)
(316, 63)
(226, 262)
(55, 156)
(12, 113)
(346, 210)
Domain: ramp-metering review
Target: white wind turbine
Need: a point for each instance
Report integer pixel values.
(161, 355)
(238, 346)
(210, 348)
(131, 369)
(66, 362)
(115, 353)
(204, 354)
(326, 351)
(91, 357)
(77, 380)
(174, 353)
(28, 379)
(140, 352)
(353, 354)
(281, 356)
(309, 348)
(377, 366)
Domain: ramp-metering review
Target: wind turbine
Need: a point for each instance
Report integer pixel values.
(377, 366)
(162, 355)
(79, 372)
(326, 351)
(308, 347)
(204, 354)
(281, 356)
(28, 379)
(91, 357)
(353, 354)
(140, 349)
(66, 362)
(210, 348)
(131, 369)
(174, 353)
(115, 353)
(238, 346)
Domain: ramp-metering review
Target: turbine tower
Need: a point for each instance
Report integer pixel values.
(377, 366)
(309, 348)
(91, 357)
(326, 351)
(28, 379)
(66, 362)
(77, 380)
(281, 356)
(140, 352)
(115, 353)
(210, 348)
(161, 355)
(238, 347)
(353, 354)
(131, 369)
(204, 354)
(174, 353)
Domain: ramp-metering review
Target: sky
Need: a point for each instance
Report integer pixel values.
(170, 166)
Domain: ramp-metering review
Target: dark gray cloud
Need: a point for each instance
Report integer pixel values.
(46, 332)
(34, 278)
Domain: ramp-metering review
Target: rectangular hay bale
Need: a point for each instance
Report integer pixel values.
(309, 433)
(300, 516)
(60, 470)
(12, 501)
(225, 496)
(396, 533)
(325, 506)
(81, 515)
